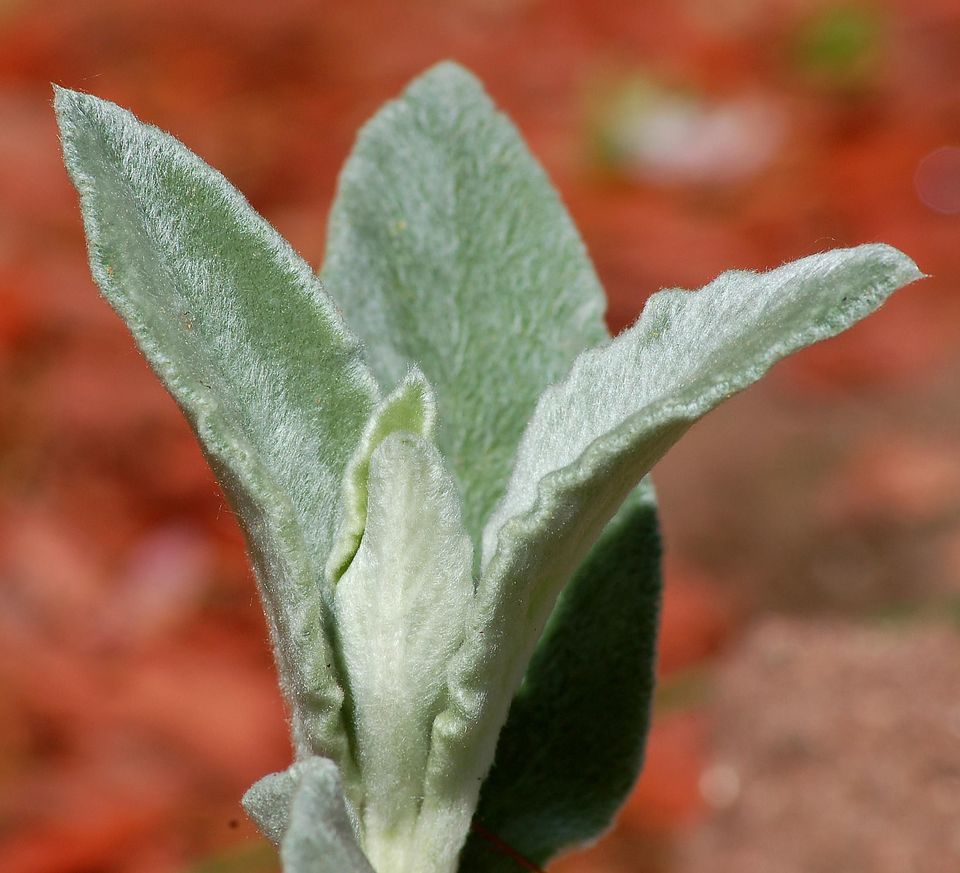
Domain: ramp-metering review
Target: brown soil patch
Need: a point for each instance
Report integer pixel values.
(836, 749)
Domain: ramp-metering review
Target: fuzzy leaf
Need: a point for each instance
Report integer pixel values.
(268, 801)
(573, 743)
(399, 611)
(319, 837)
(410, 407)
(449, 249)
(594, 435)
(253, 351)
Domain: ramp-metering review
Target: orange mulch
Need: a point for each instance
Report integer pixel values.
(137, 699)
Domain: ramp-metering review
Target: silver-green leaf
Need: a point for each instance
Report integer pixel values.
(594, 435)
(302, 810)
(254, 352)
(449, 249)
(268, 800)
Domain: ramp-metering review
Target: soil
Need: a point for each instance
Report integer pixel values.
(833, 748)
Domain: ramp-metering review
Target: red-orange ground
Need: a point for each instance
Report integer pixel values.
(137, 699)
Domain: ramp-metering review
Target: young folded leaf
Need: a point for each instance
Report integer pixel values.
(449, 249)
(594, 435)
(399, 612)
(409, 407)
(254, 352)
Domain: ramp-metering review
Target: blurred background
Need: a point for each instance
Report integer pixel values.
(808, 717)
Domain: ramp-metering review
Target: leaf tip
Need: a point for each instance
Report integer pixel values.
(79, 116)
(63, 97)
(447, 76)
(66, 107)
(420, 388)
(902, 267)
(69, 105)
(449, 69)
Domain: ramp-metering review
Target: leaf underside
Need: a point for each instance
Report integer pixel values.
(573, 742)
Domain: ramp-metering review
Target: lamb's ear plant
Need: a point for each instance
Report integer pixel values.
(439, 458)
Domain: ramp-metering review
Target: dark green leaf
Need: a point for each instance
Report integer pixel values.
(573, 743)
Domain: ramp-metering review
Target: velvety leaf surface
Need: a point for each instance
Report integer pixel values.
(573, 743)
(268, 800)
(320, 838)
(449, 249)
(594, 435)
(400, 610)
(410, 407)
(242, 335)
